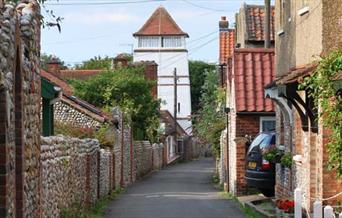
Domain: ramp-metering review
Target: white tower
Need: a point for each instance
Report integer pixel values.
(161, 40)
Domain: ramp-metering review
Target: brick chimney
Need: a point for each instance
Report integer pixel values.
(223, 24)
(54, 66)
(120, 61)
(151, 72)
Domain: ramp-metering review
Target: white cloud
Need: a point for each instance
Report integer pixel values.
(101, 17)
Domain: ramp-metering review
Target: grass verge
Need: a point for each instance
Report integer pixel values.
(96, 211)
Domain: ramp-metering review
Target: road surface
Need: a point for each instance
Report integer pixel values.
(184, 190)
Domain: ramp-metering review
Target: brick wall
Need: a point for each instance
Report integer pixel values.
(311, 174)
(330, 184)
(233, 161)
(247, 125)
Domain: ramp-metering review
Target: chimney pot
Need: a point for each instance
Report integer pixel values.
(223, 24)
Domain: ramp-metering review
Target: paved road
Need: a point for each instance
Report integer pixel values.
(180, 191)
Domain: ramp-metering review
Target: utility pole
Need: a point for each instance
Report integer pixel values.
(267, 23)
(175, 105)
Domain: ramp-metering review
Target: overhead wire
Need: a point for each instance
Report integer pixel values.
(193, 50)
(111, 2)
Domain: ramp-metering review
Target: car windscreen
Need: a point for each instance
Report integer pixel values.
(262, 141)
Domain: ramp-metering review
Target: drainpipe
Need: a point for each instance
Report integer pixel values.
(227, 110)
(267, 23)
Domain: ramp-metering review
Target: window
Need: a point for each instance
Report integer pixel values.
(304, 3)
(282, 17)
(148, 42)
(304, 7)
(171, 41)
(178, 107)
(267, 124)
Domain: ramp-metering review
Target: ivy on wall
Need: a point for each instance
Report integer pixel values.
(328, 102)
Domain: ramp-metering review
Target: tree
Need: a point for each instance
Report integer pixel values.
(96, 63)
(45, 58)
(128, 89)
(210, 120)
(197, 71)
(99, 63)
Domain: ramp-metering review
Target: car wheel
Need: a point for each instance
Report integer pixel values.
(267, 192)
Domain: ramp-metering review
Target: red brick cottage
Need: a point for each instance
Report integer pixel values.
(249, 67)
(249, 113)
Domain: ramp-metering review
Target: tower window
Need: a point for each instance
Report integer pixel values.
(178, 107)
(148, 42)
(171, 41)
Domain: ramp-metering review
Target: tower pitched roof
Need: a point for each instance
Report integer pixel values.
(160, 23)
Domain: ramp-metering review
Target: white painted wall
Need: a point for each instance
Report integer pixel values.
(167, 62)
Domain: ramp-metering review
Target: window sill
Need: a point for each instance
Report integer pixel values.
(281, 32)
(303, 10)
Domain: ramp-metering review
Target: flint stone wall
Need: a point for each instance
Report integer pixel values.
(143, 160)
(157, 151)
(68, 173)
(105, 177)
(19, 122)
(64, 113)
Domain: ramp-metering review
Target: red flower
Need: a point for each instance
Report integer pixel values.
(285, 205)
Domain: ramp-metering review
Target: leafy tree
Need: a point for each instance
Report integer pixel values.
(210, 120)
(197, 70)
(127, 88)
(96, 63)
(99, 63)
(45, 58)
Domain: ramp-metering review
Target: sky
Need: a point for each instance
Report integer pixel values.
(105, 27)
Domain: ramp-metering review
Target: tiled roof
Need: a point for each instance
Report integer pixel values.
(296, 74)
(160, 23)
(255, 22)
(78, 104)
(57, 81)
(252, 69)
(79, 74)
(85, 108)
(226, 45)
(167, 118)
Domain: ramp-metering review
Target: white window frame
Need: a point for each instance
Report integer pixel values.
(304, 8)
(271, 118)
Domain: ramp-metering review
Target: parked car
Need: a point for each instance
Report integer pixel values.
(260, 173)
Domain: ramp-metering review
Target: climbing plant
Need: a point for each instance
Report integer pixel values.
(321, 87)
(210, 119)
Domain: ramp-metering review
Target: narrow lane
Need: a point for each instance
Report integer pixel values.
(181, 191)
